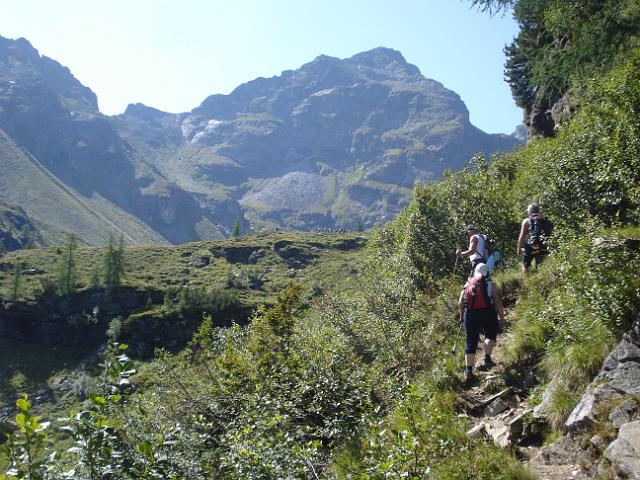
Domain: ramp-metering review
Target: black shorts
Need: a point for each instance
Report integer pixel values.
(483, 321)
(530, 254)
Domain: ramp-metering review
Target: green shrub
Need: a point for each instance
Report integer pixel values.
(572, 312)
(433, 225)
(481, 462)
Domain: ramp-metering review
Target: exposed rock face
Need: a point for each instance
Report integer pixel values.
(63, 161)
(335, 140)
(17, 230)
(610, 402)
(544, 118)
(618, 378)
(331, 143)
(624, 452)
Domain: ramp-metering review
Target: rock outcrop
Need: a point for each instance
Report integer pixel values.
(611, 403)
(618, 379)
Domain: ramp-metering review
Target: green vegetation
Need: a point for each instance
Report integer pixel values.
(235, 231)
(66, 275)
(563, 42)
(113, 264)
(16, 280)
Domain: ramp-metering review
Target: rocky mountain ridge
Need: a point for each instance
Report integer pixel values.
(335, 142)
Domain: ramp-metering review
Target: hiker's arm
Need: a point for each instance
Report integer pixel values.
(523, 234)
(497, 301)
(473, 243)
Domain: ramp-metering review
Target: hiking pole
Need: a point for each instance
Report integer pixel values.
(455, 344)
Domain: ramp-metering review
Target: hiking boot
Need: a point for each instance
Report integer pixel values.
(468, 375)
(487, 365)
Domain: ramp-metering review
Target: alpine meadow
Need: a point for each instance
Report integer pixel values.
(270, 286)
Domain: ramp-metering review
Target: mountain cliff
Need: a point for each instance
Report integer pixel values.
(335, 142)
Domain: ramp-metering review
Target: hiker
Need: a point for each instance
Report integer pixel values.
(478, 251)
(535, 230)
(478, 303)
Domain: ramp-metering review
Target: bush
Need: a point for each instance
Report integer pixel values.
(429, 230)
(572, 312)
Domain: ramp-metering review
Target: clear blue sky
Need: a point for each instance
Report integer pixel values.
(171, 54)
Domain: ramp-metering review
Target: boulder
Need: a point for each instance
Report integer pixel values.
(542, 409)
(499, 432)
(564, 451)
(496, 407)
(505, 430)
(619, 377)
(199, 261)
(476, 431)
(624, 452)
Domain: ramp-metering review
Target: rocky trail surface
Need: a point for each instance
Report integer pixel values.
(601, 438)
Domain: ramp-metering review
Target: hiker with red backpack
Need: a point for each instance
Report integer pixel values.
(534, 232)
(481, 310)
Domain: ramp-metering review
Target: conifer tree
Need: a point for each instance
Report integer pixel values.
(113, 263)
(15, 281)
(66, 269)
(108, 262)
(94, 281)
(235, 231)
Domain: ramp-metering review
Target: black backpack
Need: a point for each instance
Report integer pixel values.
(539, 229)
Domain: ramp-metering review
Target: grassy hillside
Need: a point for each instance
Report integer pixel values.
(151, 307)
(26, 182)
(318, 260)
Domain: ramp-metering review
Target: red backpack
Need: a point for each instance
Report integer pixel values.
(476, 296)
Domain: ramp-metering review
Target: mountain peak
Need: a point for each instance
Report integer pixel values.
(385, 61)
(379, 56)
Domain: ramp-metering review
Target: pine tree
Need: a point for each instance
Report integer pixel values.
(66, 269)
(113, 263)
(94, 281)
(108, 262)
(235, 231)
(15, 282)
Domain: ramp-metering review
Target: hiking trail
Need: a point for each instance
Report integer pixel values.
(500, 410)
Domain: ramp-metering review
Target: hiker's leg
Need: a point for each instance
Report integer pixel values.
(488, 346)
(527, 256)
(490, 328)
(472, 334)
